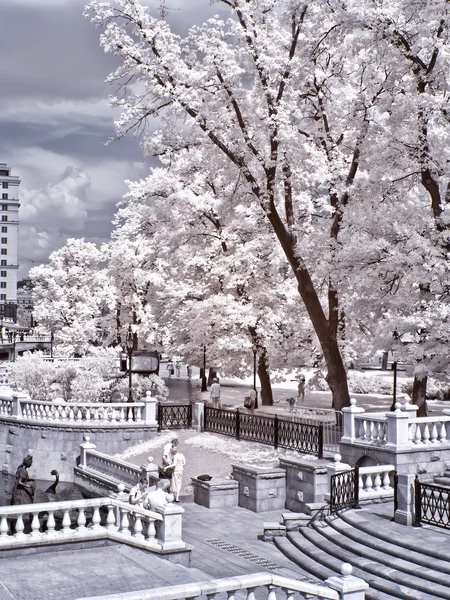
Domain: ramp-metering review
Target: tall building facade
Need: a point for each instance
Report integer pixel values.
(9, 217)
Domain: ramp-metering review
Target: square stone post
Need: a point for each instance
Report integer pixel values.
(150, 471)
(169, 530)
(349, 432)
(87, 445)
(397, 429)
(149, 411)
(406, 506)
(348, 586)
(16, 406)
(198, 416)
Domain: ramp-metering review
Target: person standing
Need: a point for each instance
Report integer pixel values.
(170, 369)
(301, 388)
(24, 486)
(179, 463)
(189, 371)
(215, 393)
(167, 457)
(252, 396)
(138, 492)
(178, 369)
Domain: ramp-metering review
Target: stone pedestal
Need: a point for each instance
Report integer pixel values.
(260, 489)
(216, 493)
(306, 482)
(198, 415)
(406, 508)
(169, 530)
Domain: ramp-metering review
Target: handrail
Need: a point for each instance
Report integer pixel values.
(113, 461)
(216, 586)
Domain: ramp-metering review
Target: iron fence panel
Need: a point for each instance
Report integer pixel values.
(174, 416)
(256, 428)
(293, 435)
(344, 490)
(221, 421)
(432, 504)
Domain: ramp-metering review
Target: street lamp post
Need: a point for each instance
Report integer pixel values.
(130, 355)
(255, 350)
(204, 386)
(394, 390)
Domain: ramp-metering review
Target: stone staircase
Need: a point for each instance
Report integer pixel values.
(395, 560)
(443, 480)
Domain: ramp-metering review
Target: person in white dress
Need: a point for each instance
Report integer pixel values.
(179, 462)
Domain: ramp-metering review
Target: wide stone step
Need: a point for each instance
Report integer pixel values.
(411, 538)
(386, 580)
(383, 565)
(367, 544)
(317, 569)
(444, 481)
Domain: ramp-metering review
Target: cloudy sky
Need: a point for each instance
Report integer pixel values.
(55, 118)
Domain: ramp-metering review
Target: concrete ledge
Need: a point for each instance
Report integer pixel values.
(216, 493)
(261, 489)
(273, 529)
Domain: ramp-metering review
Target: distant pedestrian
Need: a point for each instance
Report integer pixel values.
(189, 371)
(301, 388)
(179, 463)
(170, 369)
(167, 457)
(251, 401)
(215, 393)
(178, 369)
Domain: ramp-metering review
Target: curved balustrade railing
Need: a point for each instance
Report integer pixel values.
(375, 481)
(429, 430)
(119, 469)
(265, 586)
(371, 428)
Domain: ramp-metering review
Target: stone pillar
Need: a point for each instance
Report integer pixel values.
(169, 530)
(83, 450)
(149, 412)
(198, 416)
(348, 586)
(16, 398)
(349, 430)
(336, 467)
(406, 507)
(397, 429)
(150, 471)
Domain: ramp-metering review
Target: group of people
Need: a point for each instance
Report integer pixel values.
(173, 463)
(174, 367)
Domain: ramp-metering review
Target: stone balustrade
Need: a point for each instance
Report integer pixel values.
(20, 406)
(400, 429)
(375, 482)
(267, 585)
(81, 520)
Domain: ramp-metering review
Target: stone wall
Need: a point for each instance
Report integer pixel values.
(57, 447)
(306, 482)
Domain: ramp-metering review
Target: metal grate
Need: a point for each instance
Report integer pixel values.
(293, 435)
(174, 416)
(344, 490)
(259, 560)
(432, 504)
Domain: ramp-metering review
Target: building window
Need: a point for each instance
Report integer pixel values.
(4, 218)
(3, 262)
(2, 284)
(4, 229)
(5, 185)
(3, 251)
(4, 240)
(4, 173)
(2, 296)
(5, 197)
(4, 206)
(3, 273)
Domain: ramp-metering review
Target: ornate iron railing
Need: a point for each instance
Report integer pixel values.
(174, 416)
(432, 504)
(344, 490)
(293, 435)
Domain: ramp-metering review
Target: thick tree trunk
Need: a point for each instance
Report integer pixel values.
(266, 397)
(419, 395)
(384, 361)
(211, 375)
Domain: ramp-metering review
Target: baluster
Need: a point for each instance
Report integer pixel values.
(79, 414)
(411, 432)
(251, 594)
(139, 413)
(289, 593)
(418, 435)
(386, 481)
(3, 526)
(35, 525)
(88, 413)
(111, 518)
(66, 522)
(71, 414)
(122, 415)
(81, 521)
(20, 526)
(360, 482)
(377, 482)
(369, 483)
(231, 595)
(443, 432)
(272, 592)
(151, 531)
(362, 430)
(96, 414)
(434, 434)
(138, 527)
(124, 522)
(212, 595)
(426, 434)
(96, 519)
(51, 522)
